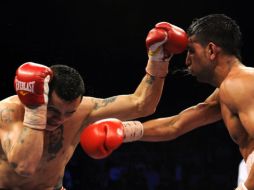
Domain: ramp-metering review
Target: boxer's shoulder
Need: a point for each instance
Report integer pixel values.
(12, 103)
(11, 100)
(11, 109)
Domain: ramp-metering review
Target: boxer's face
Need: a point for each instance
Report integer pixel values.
(59, 110)
(197, 60)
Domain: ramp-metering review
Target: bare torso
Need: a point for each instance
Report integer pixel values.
(58, 149)
(237, 131)
(237, 107)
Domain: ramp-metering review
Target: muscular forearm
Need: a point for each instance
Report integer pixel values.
(161, 129)
(24, 153)
(149, 93)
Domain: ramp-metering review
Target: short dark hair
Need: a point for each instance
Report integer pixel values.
(66, 82)
(219, 29)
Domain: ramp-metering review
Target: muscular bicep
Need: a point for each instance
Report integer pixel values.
(201, 114)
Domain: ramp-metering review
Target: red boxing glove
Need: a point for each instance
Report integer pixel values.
(173, 39)
(154, 43)
(162, 42)
(177, 38)
(31, 83)
(101, 138)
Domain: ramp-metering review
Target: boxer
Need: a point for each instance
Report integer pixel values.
(40, 127)
(214, 57)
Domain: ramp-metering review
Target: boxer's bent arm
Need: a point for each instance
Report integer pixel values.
(169, 128)
(141, 103)
(23, 146)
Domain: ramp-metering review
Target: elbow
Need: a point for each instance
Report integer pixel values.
(145, 112)
(148, 112)
(151, 110)
(23, 170)
(145, 109)
(24, 173)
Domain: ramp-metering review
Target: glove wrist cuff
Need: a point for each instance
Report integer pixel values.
(157, 68)
(36, 118)
(133, 131)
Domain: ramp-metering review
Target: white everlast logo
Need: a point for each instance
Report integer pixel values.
(25, 86)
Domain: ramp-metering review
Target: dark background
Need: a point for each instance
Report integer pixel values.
(105, 41)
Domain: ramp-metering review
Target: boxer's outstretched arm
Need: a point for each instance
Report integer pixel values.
(162, 42)
(101, 138)
(169, 128)
(141, 103)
